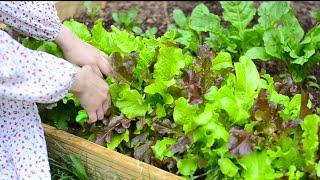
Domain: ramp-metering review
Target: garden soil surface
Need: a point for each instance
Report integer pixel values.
(159, 14)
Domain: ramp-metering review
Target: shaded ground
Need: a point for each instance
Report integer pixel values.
(159, 14)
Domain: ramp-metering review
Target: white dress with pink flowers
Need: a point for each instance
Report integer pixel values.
(28, 77)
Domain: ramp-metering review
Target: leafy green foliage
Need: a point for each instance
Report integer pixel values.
(193, 102)
(310, 137)
(127, 19)
(130, 102)
(68, 167)
(258, 166)
(239, 14)
(161, 148)
(91, 10)
(228, 167)
(79, 29)
(188, 166)
(201, 20)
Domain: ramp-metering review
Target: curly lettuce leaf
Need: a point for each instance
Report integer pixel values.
(310, 141)
(117, 139)
(258, 166)
(79, 29)
(222, 61)
(188, 165)
(170, 61)
(130, 102)
(162, 148)
(228, 167)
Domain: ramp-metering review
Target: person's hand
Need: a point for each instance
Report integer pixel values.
(81, 53)
(92, 92)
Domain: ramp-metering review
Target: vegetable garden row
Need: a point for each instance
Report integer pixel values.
(193, 102)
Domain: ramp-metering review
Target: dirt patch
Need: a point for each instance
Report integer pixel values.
(159, 13)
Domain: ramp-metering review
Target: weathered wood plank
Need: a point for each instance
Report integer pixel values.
(101, 162)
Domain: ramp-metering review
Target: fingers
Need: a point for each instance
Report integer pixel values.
(106, 105)
(93, 94)
(100, 113)
(92, 117)
(97, 70)
(105, 66)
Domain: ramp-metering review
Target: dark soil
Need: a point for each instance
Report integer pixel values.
(159, 14)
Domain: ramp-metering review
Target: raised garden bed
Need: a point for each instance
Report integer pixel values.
(100, 162)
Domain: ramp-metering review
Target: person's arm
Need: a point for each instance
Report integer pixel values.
(37, 19)
(40, 21)
(32, 76)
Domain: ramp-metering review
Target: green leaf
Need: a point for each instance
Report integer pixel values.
(162, 148)
(160, 87)
(137, 30)
(257, 53)
(130, 102)
(151, 32)
(288, 154)
(273, 41)
(169, 36)
(31, 43)
(258, 166)
(82, 117)
(291, 109)
(183, 111)
(45, 46)
(79, 29)
(188, 165)
(101, 39)
(294, 174)
(271, 12)
(170, 61)
(310, 142)
(236, 106)
(117, 139)
(219, 40)
(238, 13)
(188, 39)
(71, 97)
(251, 38)
(124, 41)
(78, 167)
(160, 111)
(291, 29)
(222, 61)
(202, 20)
(247, 75)
(318, 169)
(228, 167)
(126, 18)
(211, 93)
(210, 132)
(314, 36)
(308, 51)
(146, 55)
(179, 18)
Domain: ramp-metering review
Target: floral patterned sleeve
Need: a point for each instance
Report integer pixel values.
(36, 19)
(28, 75)
(32, 76)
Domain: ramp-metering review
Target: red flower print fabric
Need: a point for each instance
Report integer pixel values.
(28, 77)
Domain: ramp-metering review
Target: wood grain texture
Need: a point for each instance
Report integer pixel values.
(101, 162)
